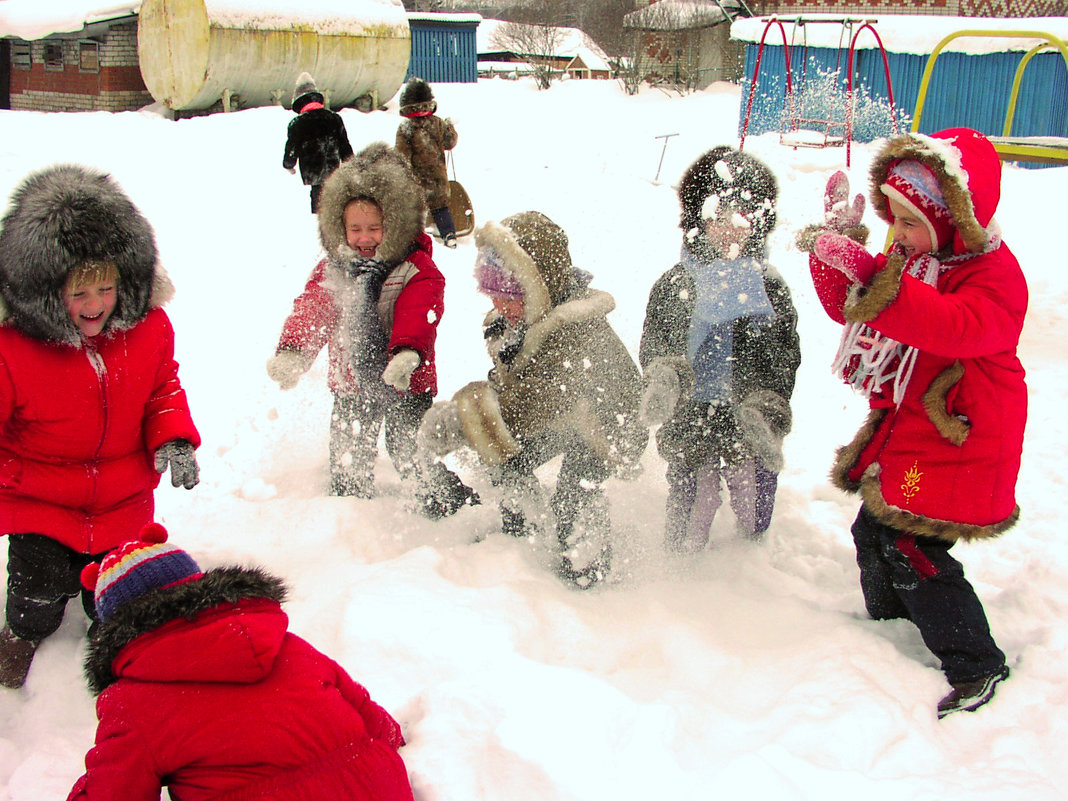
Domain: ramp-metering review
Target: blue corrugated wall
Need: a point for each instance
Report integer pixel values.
(443, 53)
(964, 90)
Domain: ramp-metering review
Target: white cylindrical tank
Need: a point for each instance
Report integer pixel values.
(194, 53)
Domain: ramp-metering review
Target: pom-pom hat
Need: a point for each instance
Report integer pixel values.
(136, 568)
(305, 91)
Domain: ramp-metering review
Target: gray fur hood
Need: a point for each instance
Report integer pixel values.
(57, 218)
(380, 173)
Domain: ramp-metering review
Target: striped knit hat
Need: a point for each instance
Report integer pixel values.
(915, 187)
(136, 568)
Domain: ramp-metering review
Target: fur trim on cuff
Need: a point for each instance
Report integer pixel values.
(483, 425)
(805, 240)
(952, 428)
(865, 303)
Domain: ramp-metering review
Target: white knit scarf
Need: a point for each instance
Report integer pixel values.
(870, 360)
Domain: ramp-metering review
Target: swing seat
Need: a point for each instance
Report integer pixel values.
(816, 133)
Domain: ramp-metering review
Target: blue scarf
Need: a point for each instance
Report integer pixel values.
(727, 290)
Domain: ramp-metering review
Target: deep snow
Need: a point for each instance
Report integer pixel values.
(745, 670)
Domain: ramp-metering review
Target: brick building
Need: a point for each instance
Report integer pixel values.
(94, 69)
(950, 8)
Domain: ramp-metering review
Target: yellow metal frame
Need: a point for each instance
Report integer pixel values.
(1038, 149)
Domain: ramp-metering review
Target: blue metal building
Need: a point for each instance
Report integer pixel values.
(443, 47)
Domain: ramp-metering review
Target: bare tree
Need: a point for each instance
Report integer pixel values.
(538, 45)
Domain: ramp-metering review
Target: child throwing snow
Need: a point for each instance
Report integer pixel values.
(316, 139)
(202, 689)
(562, 383)
(91, 407)
(719, 350)
(930, 338)
(376, 302)
(423, 138)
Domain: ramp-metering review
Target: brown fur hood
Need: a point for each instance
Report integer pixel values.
(380, 173)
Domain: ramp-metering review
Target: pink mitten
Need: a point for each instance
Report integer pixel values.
(837, 213)
(842, 253)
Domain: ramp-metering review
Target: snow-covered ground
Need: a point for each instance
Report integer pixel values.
(748, 670)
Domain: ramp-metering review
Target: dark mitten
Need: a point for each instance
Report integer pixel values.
(181, 456)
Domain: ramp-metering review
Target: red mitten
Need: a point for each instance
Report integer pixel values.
(837, 213)
(842, 253)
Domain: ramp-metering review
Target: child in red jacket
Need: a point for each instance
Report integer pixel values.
(202, 689)
(930, 338)
(91, 408)
(375, 301)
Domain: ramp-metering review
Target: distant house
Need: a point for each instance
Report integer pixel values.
(444, 47)
(686, 42)
(566, 51)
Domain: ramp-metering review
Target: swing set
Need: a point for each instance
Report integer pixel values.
(829, 130)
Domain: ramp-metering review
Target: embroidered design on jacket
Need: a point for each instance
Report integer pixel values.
(911, 485)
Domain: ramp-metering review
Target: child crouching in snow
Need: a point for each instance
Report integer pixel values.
(91, 408)
(930, 338)
(375, 301)
(562, 383)
(201, 689)
(720, 350)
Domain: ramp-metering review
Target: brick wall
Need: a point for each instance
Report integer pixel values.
(110, 80)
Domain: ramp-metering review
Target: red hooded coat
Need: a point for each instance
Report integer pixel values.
(943, 462)
(227, 705)
(80, 426)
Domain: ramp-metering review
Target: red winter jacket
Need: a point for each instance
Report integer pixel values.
(80, 428)
(228, 705)
(410, 308)
(944, 462)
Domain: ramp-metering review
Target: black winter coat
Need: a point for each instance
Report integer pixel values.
(318, 141)
(766, 357)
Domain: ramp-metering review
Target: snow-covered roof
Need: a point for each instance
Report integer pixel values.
(436, 16)
(901, 33)
(35, 19)
(671, 15)
(572, 42)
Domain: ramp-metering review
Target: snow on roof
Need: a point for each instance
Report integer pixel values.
(572, 42)
(34, 19)
(901, 33)
(671, 15)
(437, 16)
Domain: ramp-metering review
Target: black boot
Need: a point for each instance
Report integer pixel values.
(16, 654)
(444, 493)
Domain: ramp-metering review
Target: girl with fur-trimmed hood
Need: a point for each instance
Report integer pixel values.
(930, 338)
(719, 351)
(202, 689)
(91, 408)
(375, 302)
(562, 383)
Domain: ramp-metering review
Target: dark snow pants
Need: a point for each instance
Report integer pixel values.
(42, 575)
(912, 576)
(694, 497)
(443, 220)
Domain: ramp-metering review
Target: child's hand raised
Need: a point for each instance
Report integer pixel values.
(838, 215)
(842, 253)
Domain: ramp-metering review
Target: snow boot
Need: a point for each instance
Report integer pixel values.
(583, 531)
(16, 654)
(968, 696)
(444, 493)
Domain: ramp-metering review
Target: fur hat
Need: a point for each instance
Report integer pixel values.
(305, 92)
(736, 180)
(380, 173)
(417, 98)
(136, 568)
(59, 217)
(915, 187)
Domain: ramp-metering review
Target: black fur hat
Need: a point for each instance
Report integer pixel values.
(738, 180)
(417, 97)
(58, 218)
